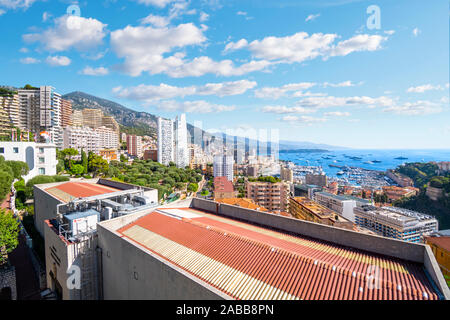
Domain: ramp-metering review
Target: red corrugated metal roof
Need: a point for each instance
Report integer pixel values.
(222, 184)
(68, 190)
(249, 262)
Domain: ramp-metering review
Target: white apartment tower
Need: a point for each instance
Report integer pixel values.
(165, 141)
(181, 146)
(223, 167)
(40, 110)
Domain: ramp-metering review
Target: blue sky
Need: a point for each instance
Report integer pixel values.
(313, 70)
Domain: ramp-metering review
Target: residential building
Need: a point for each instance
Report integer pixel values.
(67, 214)
(223, 166)
(151, 154)
(316, 179)
(440, 245)
(82, 138)
(109, 154)
(400, 179)
(40, 157)
(9, 109)
(272, 196)
(66, 113)
(306, 190)
(287, 174)
(223, 188)
(243, 203)
(40, 112)
(134, 145)
(395, 193)
(343, 205)
(252, 171)
(77, 118)
(108, 138)
(309, 210)
(443, 167)
(92, 117)
(166, 152)
(181, 147)
(397, 223)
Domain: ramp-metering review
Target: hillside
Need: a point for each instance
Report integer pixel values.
(131, 120)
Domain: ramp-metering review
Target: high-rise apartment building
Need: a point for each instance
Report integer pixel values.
(134, 145)
(108, 138)
(66, 113)
(286, 174)
(40, 110)
(92, 117)
(181, 147)
(224, 167)
(9, 106)
(316, 179)
(272, 196)
(77, 118)
(82, 138)
(166, 152)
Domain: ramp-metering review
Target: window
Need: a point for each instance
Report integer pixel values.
(41, 150)
(41, 160)
(41, 170)
(16, 150)
(2, 150)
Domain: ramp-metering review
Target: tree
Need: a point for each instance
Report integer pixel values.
(192, 187)
(84, 161)
(123, 158)
(19, 168)
(77, 169)
(97, 164)
(68, 154)
(9, 233)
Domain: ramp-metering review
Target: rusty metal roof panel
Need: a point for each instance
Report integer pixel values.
(249, 262)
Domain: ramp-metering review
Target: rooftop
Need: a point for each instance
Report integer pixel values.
(246, 261)
(242, 202)
(222, 184)
(443, 242)
(71, 190)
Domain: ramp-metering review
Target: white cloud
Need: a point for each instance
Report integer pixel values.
(302, 119)
(157, 21)
(150, 93)
(203, 16)
(425, 87)
(416, 32)
(100, 71)
(277, 92)
(45, 16)
(389, 32)
(347, 83)
(2, 12)
(361, 42)
(300, 46)
(337, 114)
(29, 60)
(312, 17)
(415, 108)
(24, 50)
(156, 3)
(330, 101)
(16, 4)
(58, 61)
(199, 106)
(286, 110)
(235, 45)
(241, 13)
(70, 32)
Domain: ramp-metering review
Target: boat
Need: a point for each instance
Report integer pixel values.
(401, 158)
(368, 162)
(376, 161)
(340, 173)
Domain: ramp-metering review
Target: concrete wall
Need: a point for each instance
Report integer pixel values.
(132, 272)
(44, 206)
(434, 271)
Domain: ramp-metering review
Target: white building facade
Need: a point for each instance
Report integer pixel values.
(40, 157)
(223, 167)
(166, 152)
(181, 145)
(82, 138)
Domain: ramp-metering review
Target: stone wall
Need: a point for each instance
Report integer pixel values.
(8, 280)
